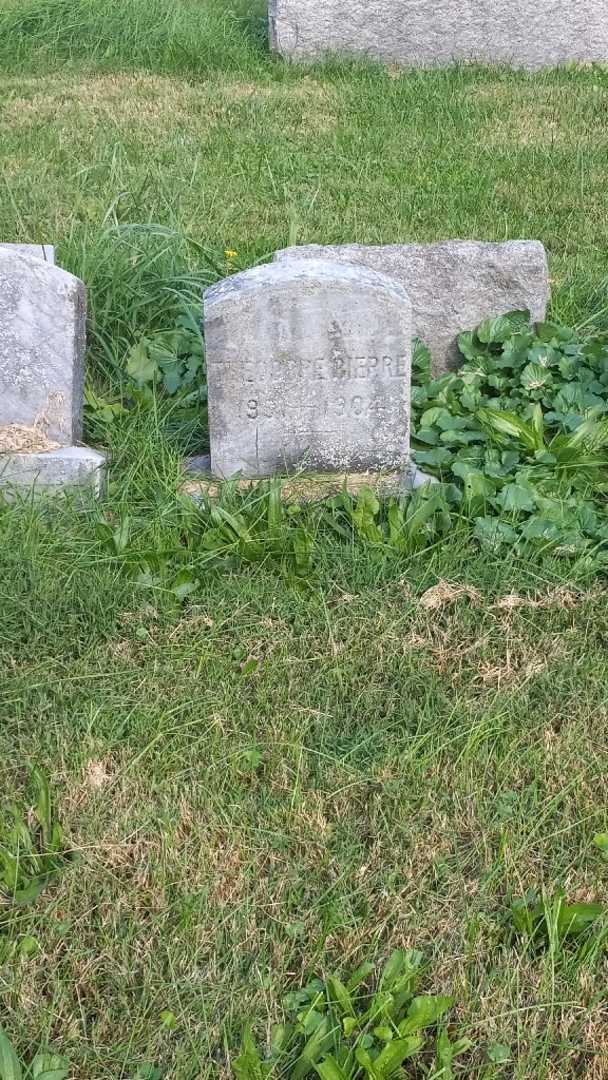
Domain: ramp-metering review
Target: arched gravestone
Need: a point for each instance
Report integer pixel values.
(42, 345)
(42, 356)
(422, 33)
(308, 367)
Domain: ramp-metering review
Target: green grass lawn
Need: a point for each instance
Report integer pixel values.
(272, 780)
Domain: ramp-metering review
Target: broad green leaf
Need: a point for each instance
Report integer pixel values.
(430, 416)
(550, 331)
(184, 584)
(508, 424)
(421, 360)
(469, 346)
(249, 1065)
(10, 1068)
(423, 1012)
(433, 458)
(146, 1071)
(279, 1038)
(328, 1069)
(384, 1033)
(476, 485)
(394, 1054)
(340, 995)
(446, 421)
(462, 438)
(576, 918)
(496, 331)
(447, 1050)
(172, 376)
(275, 507)
(141, 365)
(535, 377)
(30, 892)
(498, 1053)
(359, 975)
(46, 1066)
(29, 946)
(515, 497)
(601, 842)
(428, 436)
(317, 1045)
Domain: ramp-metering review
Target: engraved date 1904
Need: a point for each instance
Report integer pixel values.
(354, 407)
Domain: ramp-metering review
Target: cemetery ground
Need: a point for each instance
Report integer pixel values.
(269, 778)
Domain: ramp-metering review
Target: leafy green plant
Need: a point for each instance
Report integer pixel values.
(164, 367)
(521, 431)
(600, 841)
(405, 525)
(45, 1065)
(173, 361)
(343, 1031)
(541, 919)
(32, 850)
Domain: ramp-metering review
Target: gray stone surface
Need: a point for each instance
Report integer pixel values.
(453, 285)
(308, 366)
(420, 33)
(52, 471)
(42, 345)
(46, 252)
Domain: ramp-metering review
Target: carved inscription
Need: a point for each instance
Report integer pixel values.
(336, 368)
(308, 366)
(362, 372)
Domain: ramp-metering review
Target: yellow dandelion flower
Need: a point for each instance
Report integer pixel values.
(229, 254)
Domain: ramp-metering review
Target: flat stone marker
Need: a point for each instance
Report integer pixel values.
(53, 471)
(421, 33)
(42, 346)
(308, 367)
(453, 285)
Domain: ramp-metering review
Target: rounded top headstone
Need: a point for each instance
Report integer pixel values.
(308, 367)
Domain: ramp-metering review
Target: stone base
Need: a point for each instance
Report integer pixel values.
(305, 487)
(70, 467)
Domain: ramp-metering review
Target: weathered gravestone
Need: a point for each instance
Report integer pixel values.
(453, 285)
(420, 33)
(46, 252)
(308, 366)
(42, 343)
(42, 347)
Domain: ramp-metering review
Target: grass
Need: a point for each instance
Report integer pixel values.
(269, 780)
(176, 116)
(387, 773)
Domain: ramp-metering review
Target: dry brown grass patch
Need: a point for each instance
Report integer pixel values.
(146, 100)
(560, 597)
(20, 439)
(446, 592)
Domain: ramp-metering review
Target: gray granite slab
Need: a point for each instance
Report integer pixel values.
(421, 33)
(452, 285)
(52, 471)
